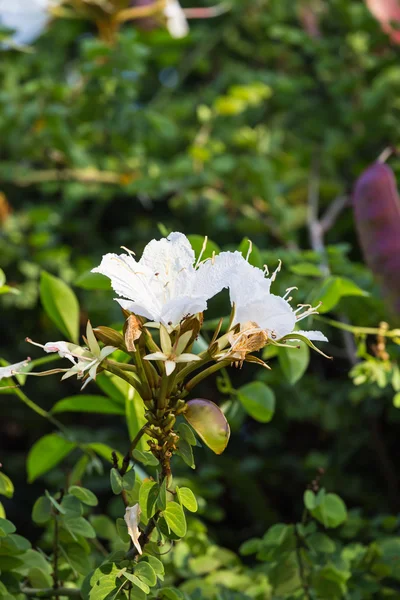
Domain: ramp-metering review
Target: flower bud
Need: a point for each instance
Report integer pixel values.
(109, 337)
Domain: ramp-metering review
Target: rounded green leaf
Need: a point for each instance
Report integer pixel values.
(84, 495)
(46, 453)
(331, 511)
(258, 400)
(175, 518)
(209, 422)
(116, 481)
(6, 486)
(294, 361)
(41, 512)
(146, 573)
(88, 404)
(60, 304)
(187, 498)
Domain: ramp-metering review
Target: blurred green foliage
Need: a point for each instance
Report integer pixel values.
(230, 132)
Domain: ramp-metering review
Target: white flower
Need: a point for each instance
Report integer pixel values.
(28, 18)
(255, 306)
(85, 361)
(164, 285)
(177, 24)
(11, 370)
(132, 518)
(172, 355)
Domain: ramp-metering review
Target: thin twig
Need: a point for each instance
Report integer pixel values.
(134, 443)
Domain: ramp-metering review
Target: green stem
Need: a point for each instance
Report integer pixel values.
(359, 330)
(123, 375)
(40, 411)
(193, 366)
(146, 395)
(162, 399)
(122, 366)
(193, 382)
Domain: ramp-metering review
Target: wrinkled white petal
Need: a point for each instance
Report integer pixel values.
(28, 18)
(177, 24)
(132, 518)
(11, 370)
(271, 313)
(313, 336)
(163, 285)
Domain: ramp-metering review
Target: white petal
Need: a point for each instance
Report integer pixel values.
(215, 274)
(106, 351)
(174, 311)
(156, 356)
(177, 24)
(139, 310)
(132, 517)
(91, 338)
(187, 357)
(271, 313)
(14, 369)
(28, 18)
(313, 336)
(170, 366)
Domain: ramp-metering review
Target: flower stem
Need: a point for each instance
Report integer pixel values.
(213, 369)
(123, 374)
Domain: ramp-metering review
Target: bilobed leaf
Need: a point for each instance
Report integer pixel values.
(41, 512)
(155, 562)
(137, 582)
(258, 400)
(162, 495)
(187, 498)
(60, 304)
(146, 573)
(46, 453)
(105, 451)
(39, 579)
(319, 542)
(310, 501)
(331, 511)
(169, 593)
(197, 242)
(122, 530)
(79, 526)
(209, 422)
(294, 362)
(88, 404)
(6, 486)
(84, 495)
(186, 433)
(175, 518)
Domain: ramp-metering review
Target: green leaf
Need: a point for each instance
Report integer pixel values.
(41, 512)
(6, 486)
(155, 562)
(92, 281)
(197, 242)
(310, 501)
(135, 419)
(6, 527)
(319, 542)
(186, 453)
(162, 495)
(255, 257)
(60, 304)
(79, 526)
(46, 453)
(137, 582)
(72, 506)
(105, 451)
(175, 518)
(187, 498)
(335, 288)
(306, 269)
(146, 573)
(294, 362)
(396, 400)
(331, 511)
(209, 422)
(258, 400)
(171, 594)
(104, 527)
(147, 498)
(2, 511)
(186, 433)
(146, 458)
(84, 495)
(251, 546)
(39, 579)
(122, 530)
(88, 404)
(116, 481)
(78, 558)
